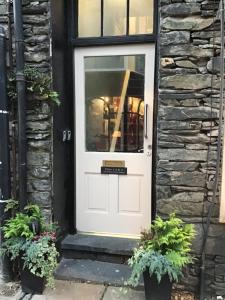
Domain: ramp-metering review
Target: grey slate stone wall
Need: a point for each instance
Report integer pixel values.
(36, 17)
(188, 127)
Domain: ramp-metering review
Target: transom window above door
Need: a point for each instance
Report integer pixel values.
(101, 19)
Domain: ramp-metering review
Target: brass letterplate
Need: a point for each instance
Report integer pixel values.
(114, 163)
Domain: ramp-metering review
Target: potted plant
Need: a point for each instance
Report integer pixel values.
(38, 85)
(163, 251)
(31, 242)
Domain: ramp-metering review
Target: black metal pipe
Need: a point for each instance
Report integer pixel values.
(4, 124)
(9, 13)
(13, 109)
(21, 95)
(5, 185)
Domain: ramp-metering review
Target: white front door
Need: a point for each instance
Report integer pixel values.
(114, 120)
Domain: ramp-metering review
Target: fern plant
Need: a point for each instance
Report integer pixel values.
(164, 249)
(38, 84)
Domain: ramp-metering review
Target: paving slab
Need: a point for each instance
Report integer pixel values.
(39, 297)
(73, 291)
(93, 271)
(116, 293)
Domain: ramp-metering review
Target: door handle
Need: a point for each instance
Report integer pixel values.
(149, 150)
(146, 121)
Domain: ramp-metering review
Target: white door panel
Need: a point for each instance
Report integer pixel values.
(112, 127)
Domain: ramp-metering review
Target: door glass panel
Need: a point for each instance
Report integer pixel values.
(141, 17)
(114, 103)
(115, 12)
(89, 17)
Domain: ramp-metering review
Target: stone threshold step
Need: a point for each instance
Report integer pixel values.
(99, 244)
(85, 270)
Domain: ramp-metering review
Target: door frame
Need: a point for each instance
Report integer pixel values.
(63, 23)
(79, 80)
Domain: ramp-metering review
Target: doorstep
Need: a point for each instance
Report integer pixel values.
(99, 272)
(100, 248)
(99, 244)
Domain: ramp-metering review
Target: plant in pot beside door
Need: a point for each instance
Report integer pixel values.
(31, 242)
(163, 251)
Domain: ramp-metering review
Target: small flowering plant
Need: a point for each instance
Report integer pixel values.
(32, 241)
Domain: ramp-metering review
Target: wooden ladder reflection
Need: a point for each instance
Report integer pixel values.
(120, 110)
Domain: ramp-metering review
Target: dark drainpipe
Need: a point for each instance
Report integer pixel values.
(5, 188)
(21, 95)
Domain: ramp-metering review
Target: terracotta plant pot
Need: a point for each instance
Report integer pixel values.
(155, 290)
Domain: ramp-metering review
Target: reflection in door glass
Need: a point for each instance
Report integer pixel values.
(114, 95)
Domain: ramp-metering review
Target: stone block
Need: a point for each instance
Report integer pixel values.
(174, 37)
(177, 71)
(41, 159)
(38, 136)
(196, 179)
(40, 145)
(164, 95)
(36, 57)
(38, 126)
(39, 172)
(192, 23)
(163, 192)
(220, 269)
(181, 9)
(187, 82)
(184, 125)
(182, 155)
(37, 20)
(215, 246)
(39, 185)
(162, 144)
(188, 113)
(196, 147)
(41, 198)
(179, 138)
(186, 51)
(186, 64)
(214, 65)
(177, 166)
(194, 197)
(166, 62)
(3, 8)
(181, 188)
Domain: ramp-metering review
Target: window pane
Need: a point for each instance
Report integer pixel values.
(89, 18)
(141, 16)
(115, 12)
(114, 101)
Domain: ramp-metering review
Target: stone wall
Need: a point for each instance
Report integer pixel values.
(36, 17)
(188, 127)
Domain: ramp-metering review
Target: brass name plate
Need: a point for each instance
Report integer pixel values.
(114, 163)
